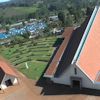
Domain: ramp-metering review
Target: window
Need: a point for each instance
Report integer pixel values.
(8, 82)
(75, 71)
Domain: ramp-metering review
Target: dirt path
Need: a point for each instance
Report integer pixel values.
(26, 90)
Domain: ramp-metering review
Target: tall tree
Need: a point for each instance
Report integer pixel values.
(61, 17)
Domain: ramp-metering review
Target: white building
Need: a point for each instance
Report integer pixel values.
(53, 18)
(17, 25)
(77, 61)
(8, 76)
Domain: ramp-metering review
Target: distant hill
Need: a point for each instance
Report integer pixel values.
(23, 2)
(74, 11)
(19, 3)
(58, 3)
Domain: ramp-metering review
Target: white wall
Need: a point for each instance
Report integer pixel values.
(6, 77)
(65, 78)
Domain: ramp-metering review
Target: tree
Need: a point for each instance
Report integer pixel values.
(42, 12)
(23, 23)
(52, 8)
(69, 20)
(88, 11)
(61, 17)
(1, 19)
(31, 15)
(46, 30)
(26, 34)
(7, 28)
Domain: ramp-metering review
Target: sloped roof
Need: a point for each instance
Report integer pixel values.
(89, 59)
(54, 63)
(7, 68)
(87, 56)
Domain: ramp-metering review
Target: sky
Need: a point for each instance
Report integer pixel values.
(3, 0)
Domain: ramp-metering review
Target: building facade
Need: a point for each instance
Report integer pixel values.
(8, 76)
(76, 62)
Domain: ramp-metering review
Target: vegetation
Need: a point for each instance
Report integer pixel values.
(35, 69)
(70, 12)
(36, 54)
(61, 17)
(11, 15)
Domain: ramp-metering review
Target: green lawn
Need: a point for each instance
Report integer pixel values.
(37, 56)
(35, 69)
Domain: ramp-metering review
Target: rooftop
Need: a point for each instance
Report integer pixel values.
(55, 61)
(7, 68)
(62, 58)
(89, 59)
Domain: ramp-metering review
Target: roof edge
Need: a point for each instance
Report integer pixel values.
(48, 76)
(12, 75)
(62, 47)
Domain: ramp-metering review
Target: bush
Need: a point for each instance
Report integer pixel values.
(17, 56)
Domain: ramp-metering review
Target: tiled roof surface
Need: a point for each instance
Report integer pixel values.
(6, 67)
(89, 59)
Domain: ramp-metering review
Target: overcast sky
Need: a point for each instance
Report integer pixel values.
(3, 0)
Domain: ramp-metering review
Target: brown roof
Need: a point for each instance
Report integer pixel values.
(2, 31)
(89, 59)
(55, 62)
(7, 68)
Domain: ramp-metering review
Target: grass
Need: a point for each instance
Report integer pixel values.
(16, 11)
(36, 56)
(35, 69)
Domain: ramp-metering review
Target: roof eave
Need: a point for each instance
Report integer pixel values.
(48, 76)
(11, 75)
